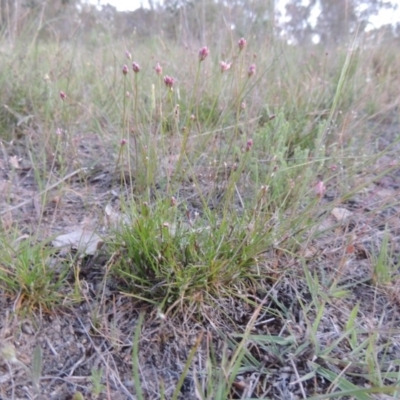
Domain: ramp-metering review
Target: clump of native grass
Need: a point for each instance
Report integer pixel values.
(228, 160)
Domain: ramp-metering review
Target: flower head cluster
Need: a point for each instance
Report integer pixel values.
(135, 67)
(124, 69)
(158, 69)
(169, 81)
(63, 96)
(242, 43)
(252, 70)
(224, 66)
(203, 53)
(249, 144)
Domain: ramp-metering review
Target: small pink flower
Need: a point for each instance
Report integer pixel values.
(135, 67)
(249, 145)
(203, 53)
(123, 142)
(169, 81)
(252, 70)
(242, 44)
(125, 69)
(158, 69)
(320, 189)
(128, 55)
(224, 66)
(63, 96)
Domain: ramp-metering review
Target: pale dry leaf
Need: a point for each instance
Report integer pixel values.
(340, 214)
(386, 193)
(310, 252)
(114, 219)
(326, 224)
(84, 241)
(13, 160)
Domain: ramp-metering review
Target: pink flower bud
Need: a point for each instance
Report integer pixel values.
(224, 66)
(169, 81)
(63, 96)
(135, 67)
(128, 55)
(249, 145)
(158, 69)
(252, 70)
(125, 69)
(320, 189)
(203, 53)
(123, 142)
(242, 44)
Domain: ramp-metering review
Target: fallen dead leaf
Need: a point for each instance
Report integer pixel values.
(386, 193)
(340, 214)
(114, 219)
(13, 160)
(84, 241)
(309, 252)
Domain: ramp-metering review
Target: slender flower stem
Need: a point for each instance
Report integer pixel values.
(188, 122)
(136, 122)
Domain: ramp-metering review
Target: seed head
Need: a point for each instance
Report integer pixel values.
(242, 43)
(320, 189)
(252, 70)
(63, 96)
(203, 53)
(125, 69)
(135, 67)
(158, 69)
(224, 66)
(169, 81)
